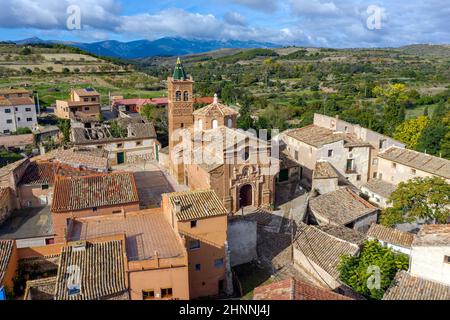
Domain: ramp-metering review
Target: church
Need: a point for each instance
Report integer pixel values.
(207, 151)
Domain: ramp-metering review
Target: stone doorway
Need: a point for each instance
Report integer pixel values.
(245, 196)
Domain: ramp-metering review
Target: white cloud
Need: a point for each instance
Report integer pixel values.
(235, 18)
(314, 7)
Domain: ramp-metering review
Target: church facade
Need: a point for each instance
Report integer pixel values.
(207, 151)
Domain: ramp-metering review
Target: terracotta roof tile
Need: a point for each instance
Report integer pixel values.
(341, 206)
(292, 289)
(147, 233)
(38, 173)
(215, 109)
(40, 289)
(77, 193)
(101, 267)
(6, 250)
(322, 248)
(196, 204)
(390, 235)
(433, 235)
(380, 187)
(418, 160)
(408, 287)
(324, 170)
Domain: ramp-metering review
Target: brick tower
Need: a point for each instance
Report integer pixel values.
(179, 113)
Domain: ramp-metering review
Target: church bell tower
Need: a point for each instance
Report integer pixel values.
(179, 113)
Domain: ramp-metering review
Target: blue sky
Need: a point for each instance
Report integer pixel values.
(328, 23)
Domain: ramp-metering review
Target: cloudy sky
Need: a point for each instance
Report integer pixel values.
(328, 23)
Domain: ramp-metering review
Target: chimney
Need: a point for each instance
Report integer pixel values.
(177, 206)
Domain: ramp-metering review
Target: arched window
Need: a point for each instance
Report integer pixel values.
(246, 154)
(230, 123)
(186, 96)
(200, 124)
(178, 96)
(215, 124)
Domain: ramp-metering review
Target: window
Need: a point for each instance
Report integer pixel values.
(119, 145)
(296, 155)
(18, 119)
(194, 244)
(7, 110)
(350, 149)
(148, 294)
(86, 99)
(193, 223)
(186, 96)
(5, 131)
(86, 108)
(380, 176)
(374, 175)
(358, 177)
(230, 123)
(350, 165)
(178, 96)
(166, 293)
(138, 143)
(393, 165)
(446, 259)
(215, 124)
(117, 211)
(94, 209)
(182, 125)
(218, 263)
(93, 99)
(330, 153)
(413, 171)
(246, 154)
(29, 119)
(27, 109)
(9, 121)
(44, 186)
(198, 267)
(381, 143)
(377, 199)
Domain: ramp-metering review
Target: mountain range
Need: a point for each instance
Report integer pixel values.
(168, 46)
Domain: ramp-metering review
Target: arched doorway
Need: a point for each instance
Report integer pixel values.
(245, 196)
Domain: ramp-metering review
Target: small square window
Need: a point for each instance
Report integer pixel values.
(330, 153)
(447, 259)
(7, 110)
(27, 109)
(413, 171)
(44, 186)
(94, 209)
(218, 263)
(296, 155)
(29, 119)
(374, 175)
(138, 143)
(119, 145)
(394, 165)
(358, 177)
(9, 121)
(198, 267)
(166, 293)
(194, 244)
(193, 223)
(148, 294)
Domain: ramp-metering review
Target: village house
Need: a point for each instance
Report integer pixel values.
(10, 175)
(325, 178)
(378, 141)
(6, 203)
(157, 261)
(378, 192)
(137, 144)
(399, 165)
(17, 110)
(235, 168)
(201, 219)
(79, 158)
(430, 253)
(349, 155)
(397, 240)
(408, 287)
(29, 227)
(318, 252)
(342, 207)
(83, 105)
(92, 195)
(103, 259)
(293, 289)
(9, 263)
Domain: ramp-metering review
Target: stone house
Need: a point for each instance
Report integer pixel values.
(397, 240)
(83, 105)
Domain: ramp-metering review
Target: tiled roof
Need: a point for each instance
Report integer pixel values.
(344, 233)
(380, 187)
(292, 289)
(85, 93)
(101, 268)
(88, 158)
(433, 235)
(196, 204)
(318, 136)
(341, 206)
(13, 91)
(147, 233)
(6, 249)
(17, 140)
(40, 289)
(22, 101)
(215, 108)
(322, 248)
(408, 287)
(77, 193)
(390, 235)
(418, 160)
(324, 170)
(38, 173)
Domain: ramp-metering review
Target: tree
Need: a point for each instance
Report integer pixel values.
(64, 126)
(420, 198)
(116, 130)
(410, 131)
(360, 272)
(148, 111)
(394, 98)
(22, 130)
